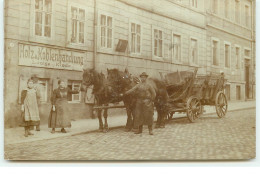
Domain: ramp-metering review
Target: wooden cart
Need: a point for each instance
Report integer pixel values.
(189, 92)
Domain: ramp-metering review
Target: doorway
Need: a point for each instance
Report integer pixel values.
(247, 69)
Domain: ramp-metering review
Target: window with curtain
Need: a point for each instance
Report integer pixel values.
(227, 55)
(77, 25)
(215, 51)
(43, 15)
(194, 51)
(176, 47)
(135, 38)
(158, 42)
(106, 31)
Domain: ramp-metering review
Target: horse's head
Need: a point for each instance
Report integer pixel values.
(88, 78)
(118, 80)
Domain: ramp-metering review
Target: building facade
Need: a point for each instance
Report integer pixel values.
(230, 45)
(53, 39)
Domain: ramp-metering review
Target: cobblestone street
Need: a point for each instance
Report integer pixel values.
(232, 137)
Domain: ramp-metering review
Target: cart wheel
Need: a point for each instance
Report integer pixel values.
(221, 104)
(194, 108)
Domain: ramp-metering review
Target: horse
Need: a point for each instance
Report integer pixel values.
(121, 81)
(101, 93)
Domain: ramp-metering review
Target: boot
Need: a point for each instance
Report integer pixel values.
(150, 127)
(63, 130)
(38, 128)
(53, 130)
(26, 131)
(140, 130)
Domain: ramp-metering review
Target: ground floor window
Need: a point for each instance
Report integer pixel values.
(43, 89)
(74, 85)
(227, 92)
(238, 93)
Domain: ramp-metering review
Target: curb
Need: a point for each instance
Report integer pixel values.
(121, 126)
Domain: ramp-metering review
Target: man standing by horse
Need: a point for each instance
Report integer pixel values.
(144, 108)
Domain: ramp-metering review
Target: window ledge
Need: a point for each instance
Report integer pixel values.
(177, 62)
(215, 66)
(105, 50)
(194, 65)
(156, 58)
(74, 102)
(45, 40)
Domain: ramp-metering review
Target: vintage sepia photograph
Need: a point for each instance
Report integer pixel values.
(129, 80)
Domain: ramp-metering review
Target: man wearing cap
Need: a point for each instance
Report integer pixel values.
(144, 108)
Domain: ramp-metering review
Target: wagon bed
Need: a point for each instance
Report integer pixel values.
(189, 92)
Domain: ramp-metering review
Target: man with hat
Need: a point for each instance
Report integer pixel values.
(144, 108)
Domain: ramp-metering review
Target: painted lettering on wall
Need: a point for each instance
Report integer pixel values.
(39, 56)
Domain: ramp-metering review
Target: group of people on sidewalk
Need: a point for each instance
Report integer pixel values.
(59, 116)
(59, 113)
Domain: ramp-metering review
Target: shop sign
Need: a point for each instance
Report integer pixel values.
(39, 56)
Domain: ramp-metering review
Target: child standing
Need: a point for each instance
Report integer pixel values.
(30, 111)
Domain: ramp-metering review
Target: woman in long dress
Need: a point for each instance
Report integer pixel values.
(30, 110)
(59, 115)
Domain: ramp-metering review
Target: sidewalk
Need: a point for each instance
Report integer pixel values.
(16, 135)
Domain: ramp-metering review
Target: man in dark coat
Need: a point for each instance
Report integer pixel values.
(144, 108)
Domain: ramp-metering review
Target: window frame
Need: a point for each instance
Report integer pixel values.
(46, 81)
(239, 11)
(100, 48)
(73, 82)
(190, 53)
(227, 43)
(218, 51)
(191, 3)
(217, 8)
(249, 49)
(69, 24)
(33, 36)
(245, 16)
(172, 50)
(239, 61)
(227, 10)
(130, 37)
(154, 57)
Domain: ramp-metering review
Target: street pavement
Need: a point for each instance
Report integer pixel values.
(209, 138)
(16, 135)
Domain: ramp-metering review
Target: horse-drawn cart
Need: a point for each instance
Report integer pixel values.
(189, 92)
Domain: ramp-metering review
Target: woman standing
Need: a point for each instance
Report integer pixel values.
(30, 110)
(59, 115)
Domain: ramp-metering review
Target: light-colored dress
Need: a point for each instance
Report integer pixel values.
(31, 110)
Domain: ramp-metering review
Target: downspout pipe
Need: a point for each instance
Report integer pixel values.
(95, 35)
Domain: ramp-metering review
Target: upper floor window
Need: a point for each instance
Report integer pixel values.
(77, 25)
(215, 52)
(135, 38)
(194, 3)
(106, 31)
(43, 16)
(158, 43)
(176, 48)
(214, 4)
(194, 51)
(247, 53)
(227, 8)
(247, 16)
(237, 51)
(237, 11)
(227, 55)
